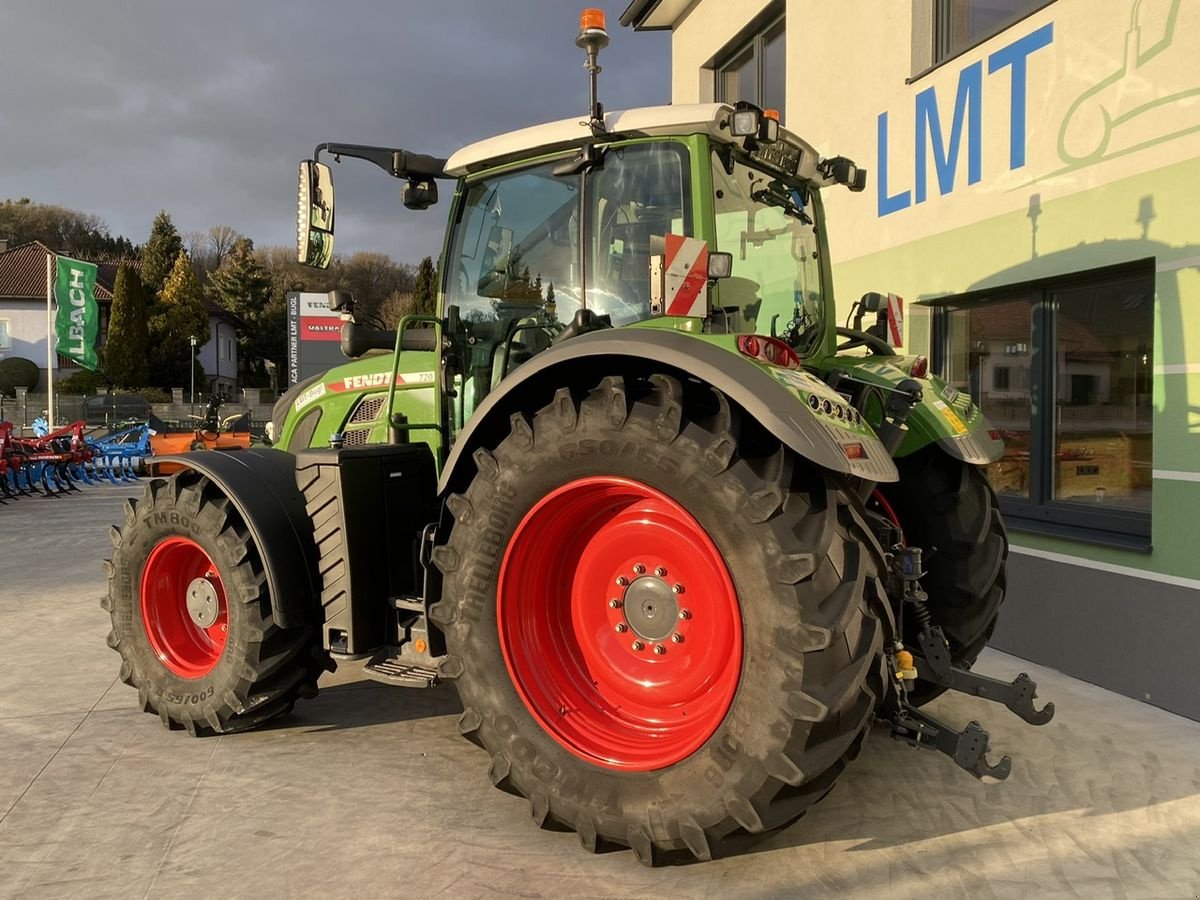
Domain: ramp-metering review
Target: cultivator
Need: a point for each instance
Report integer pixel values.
(55, 462)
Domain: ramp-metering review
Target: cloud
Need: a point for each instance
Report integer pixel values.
(205, 109)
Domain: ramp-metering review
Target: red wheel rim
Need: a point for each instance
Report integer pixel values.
(188, 640)
(597, 565)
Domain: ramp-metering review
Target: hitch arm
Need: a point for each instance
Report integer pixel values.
(933, 665)
(968, 748)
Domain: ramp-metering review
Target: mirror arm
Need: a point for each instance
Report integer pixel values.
(397, 163)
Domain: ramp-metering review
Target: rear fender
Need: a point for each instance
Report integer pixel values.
(261, 485)
(779, 399)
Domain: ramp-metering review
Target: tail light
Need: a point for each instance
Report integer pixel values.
(768, 350)
(920, 367)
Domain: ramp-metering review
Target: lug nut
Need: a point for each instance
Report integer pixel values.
(678, 589)
(621, 627)
(677, 638)
(614, 603)
(638, 645)
(639, 569)
(622, 581)
(660, 571)
(659, 649)
(685, 614)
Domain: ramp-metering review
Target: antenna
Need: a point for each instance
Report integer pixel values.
(592, 39)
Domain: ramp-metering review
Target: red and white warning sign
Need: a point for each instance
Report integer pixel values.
(685, 276)
(895, 317)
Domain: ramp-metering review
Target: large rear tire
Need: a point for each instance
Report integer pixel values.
(746, 578)
(191, 615)
(947, 507)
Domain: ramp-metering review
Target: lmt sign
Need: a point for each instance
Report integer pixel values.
(967, 124)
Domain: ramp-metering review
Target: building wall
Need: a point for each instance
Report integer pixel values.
(27, 320)
(1086, 154)
(219, 362)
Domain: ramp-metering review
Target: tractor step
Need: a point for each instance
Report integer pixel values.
(401, 667)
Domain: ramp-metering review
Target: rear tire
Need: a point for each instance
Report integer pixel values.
(947, 507)
(804, 572)
(183, 542)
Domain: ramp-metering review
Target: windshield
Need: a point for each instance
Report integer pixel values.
(515, 271)
(767, 224)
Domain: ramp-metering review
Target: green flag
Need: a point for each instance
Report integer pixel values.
(78, 318)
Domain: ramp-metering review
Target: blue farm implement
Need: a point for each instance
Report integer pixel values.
(54, 463)
(121, 455)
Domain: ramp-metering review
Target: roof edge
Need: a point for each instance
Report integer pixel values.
(638, 12)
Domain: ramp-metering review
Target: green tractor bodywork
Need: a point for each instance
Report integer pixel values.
(632, 490)
(761, 206)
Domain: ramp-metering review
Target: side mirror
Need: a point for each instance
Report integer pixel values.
(419, 194)
(314, 215)
(341, 301)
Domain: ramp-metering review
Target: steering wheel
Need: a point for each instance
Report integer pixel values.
(862, 339)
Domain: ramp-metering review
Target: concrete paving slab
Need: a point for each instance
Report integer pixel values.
(369, 790)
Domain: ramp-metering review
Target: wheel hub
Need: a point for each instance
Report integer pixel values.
(650, 608)
(202, 602)
(619, 623)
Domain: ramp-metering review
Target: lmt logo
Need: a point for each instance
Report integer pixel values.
(968, 115)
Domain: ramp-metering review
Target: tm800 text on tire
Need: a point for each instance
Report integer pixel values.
(191, 615)
(662, 626)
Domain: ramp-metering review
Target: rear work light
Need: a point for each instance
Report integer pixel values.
(768, 350)
(920, 367)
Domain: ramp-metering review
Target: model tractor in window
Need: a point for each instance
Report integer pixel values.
(675, 537)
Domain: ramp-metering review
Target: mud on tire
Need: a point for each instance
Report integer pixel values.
(806, 573)
(262, 668)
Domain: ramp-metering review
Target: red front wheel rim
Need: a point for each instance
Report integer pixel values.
(184, 608)
(619, 624)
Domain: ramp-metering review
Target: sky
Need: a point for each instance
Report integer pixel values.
(127, 107)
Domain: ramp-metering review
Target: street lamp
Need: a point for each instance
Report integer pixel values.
(192, 394)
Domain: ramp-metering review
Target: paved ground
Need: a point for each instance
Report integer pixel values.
(369, 791)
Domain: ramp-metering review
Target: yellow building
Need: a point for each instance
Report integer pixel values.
(1035, 196)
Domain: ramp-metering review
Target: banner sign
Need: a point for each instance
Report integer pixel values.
(78, 320)
(314, 335)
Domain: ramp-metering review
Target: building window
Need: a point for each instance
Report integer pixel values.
(5, 334)
(961, 24)
(1063, 369)
(755, 69)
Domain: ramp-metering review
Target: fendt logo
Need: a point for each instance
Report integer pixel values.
(968, 116)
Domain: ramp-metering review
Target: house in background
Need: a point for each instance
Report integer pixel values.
(23, 306)
(23, 319)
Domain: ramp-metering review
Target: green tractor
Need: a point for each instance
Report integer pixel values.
(676, 537)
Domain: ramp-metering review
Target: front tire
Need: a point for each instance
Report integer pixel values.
(191, 615)
(743, 721)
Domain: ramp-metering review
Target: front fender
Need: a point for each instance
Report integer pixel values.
(945, 416)
(261, 485)
(781, 400)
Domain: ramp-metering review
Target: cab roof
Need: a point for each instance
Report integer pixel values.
(712, 119)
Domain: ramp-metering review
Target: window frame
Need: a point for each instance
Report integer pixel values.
(938, 23)
(6, 335)
(752, 40)
(1041, 513)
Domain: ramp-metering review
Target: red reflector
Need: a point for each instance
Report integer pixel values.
(995, 435)
(854, 451)
(769, 350)
(920, 367)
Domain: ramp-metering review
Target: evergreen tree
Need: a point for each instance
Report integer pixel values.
(160, 253)
(179, 315)
(126, 351)
(426, 288)
(242, 286)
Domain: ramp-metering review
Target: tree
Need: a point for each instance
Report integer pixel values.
(17, 372)
(179, 315)
(126, 352)
(59, 228)
(426, 288)
(160, 253)
(243, 287)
